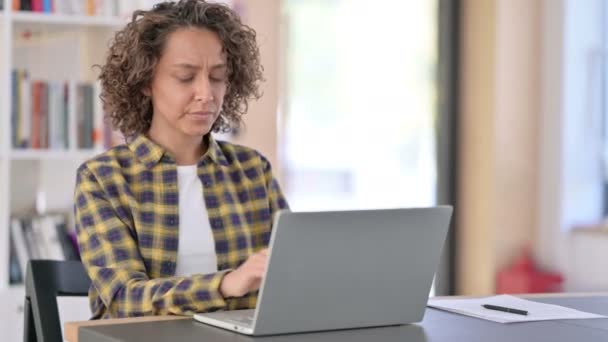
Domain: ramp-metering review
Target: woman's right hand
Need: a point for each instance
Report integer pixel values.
(247, 277)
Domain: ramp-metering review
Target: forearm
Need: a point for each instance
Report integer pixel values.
(162, 296)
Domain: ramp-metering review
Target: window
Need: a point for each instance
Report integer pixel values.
(361, 102)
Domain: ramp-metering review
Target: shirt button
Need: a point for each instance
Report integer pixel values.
(171, 220)
(207, 183)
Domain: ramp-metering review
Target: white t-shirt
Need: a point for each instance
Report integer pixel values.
(196, 249)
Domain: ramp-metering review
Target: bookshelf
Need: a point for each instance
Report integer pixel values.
(64, 20)
(51, 48)
(83, 154)
(56, 52)
(24, 173)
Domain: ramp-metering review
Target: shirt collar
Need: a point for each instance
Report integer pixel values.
(150, 153)
(147, 152)
(214, 152)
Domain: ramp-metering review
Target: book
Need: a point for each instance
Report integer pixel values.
(40, 237)
(17, 235)
(50, 236)
(14, 269)
(15, 110)
(49, 114)
(25, 111)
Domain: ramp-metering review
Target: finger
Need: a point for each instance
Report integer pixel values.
(259, 263)
(258, 259)
(255, 256)
(256, 271)
(255, 285)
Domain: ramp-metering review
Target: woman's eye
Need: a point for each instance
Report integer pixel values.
(217, 79)
(185, 79)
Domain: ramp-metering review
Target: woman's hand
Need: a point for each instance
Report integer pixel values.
(248, 277)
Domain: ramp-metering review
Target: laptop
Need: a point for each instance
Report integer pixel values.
(344, 269)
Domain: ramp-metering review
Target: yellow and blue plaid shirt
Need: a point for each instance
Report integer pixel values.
(127, 221)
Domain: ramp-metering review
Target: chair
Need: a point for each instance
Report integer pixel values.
(44, 281)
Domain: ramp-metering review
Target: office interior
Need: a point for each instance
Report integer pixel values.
(497, 107)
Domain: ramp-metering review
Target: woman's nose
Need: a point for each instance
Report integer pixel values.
(203, 91)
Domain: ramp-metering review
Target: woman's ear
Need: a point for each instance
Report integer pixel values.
(146, 91)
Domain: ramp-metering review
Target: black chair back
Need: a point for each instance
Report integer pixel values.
(44, 281)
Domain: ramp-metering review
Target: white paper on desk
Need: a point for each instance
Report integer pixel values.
(536, 311)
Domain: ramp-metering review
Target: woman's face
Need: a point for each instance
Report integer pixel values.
(188, 85)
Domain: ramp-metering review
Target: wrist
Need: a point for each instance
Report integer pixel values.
(225, 285)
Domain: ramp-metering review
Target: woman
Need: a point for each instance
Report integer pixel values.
(175, 222)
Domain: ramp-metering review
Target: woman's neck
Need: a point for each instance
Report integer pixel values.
(187, 153)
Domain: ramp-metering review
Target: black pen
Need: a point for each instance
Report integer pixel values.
(505, 309)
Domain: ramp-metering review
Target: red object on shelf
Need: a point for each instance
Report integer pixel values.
(522, 276)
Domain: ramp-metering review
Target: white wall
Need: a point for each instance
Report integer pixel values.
(261, 120)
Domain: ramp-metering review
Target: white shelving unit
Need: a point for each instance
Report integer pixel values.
(51, 47)
(63, 20)
(59, 47)
(29, 154)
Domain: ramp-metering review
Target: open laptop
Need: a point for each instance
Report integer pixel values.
(344, 269)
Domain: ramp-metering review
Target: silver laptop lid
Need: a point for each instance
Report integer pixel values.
(339, 270)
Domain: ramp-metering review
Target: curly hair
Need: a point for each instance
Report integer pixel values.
(137, 48)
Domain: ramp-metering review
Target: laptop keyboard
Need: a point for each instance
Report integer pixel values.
(245, 320)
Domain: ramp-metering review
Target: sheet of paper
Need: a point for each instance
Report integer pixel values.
(536, 311)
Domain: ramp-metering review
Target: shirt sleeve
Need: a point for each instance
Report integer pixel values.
(276, 202)
(110, 255)
(276, 198)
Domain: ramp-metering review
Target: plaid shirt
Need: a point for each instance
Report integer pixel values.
(126, 211)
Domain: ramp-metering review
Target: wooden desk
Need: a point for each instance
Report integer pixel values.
(71, 328)
(436, 326)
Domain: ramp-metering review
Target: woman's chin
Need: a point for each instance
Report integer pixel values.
(197, 131)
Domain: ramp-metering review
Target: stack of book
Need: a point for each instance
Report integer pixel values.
(41, 114)
(108, 8)
(39, 237)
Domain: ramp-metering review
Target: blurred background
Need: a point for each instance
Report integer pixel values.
(498, 107)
